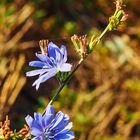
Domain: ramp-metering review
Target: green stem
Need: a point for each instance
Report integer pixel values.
(107, 27)
(65, 82)
(71, 74)
(78, 65)
(103, 33)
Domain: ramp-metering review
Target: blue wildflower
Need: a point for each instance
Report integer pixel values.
(50, 126)
(50, 64)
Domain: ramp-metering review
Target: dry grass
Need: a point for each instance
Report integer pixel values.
(11, 80)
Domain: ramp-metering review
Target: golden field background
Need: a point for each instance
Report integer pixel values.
(103, 97)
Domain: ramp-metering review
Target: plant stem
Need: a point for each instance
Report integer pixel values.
(78, 65)
(73, 71)
(64, 83)
(103, 33)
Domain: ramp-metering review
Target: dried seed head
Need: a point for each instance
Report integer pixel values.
(5, 129)
(80, 44)
(24, 132)
(44, 46)
(119, 4)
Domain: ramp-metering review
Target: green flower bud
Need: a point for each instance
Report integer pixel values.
(113, 23)
(120, 14)
(93, 42)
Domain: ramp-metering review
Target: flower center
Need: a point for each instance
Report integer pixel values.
(48, 135)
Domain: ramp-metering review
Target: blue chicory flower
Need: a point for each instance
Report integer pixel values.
(50, 126)
(50, 64)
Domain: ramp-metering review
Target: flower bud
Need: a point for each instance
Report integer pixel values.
(93, 42)
(43, 46)
(80, 44)
(118, 17)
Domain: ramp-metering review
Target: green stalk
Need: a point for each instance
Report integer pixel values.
(65, 82)
(77, 66)
(104, 32)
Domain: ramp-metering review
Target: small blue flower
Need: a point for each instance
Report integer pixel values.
(50, 64)
(50, 126)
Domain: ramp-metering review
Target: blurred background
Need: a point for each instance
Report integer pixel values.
(103, 97)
